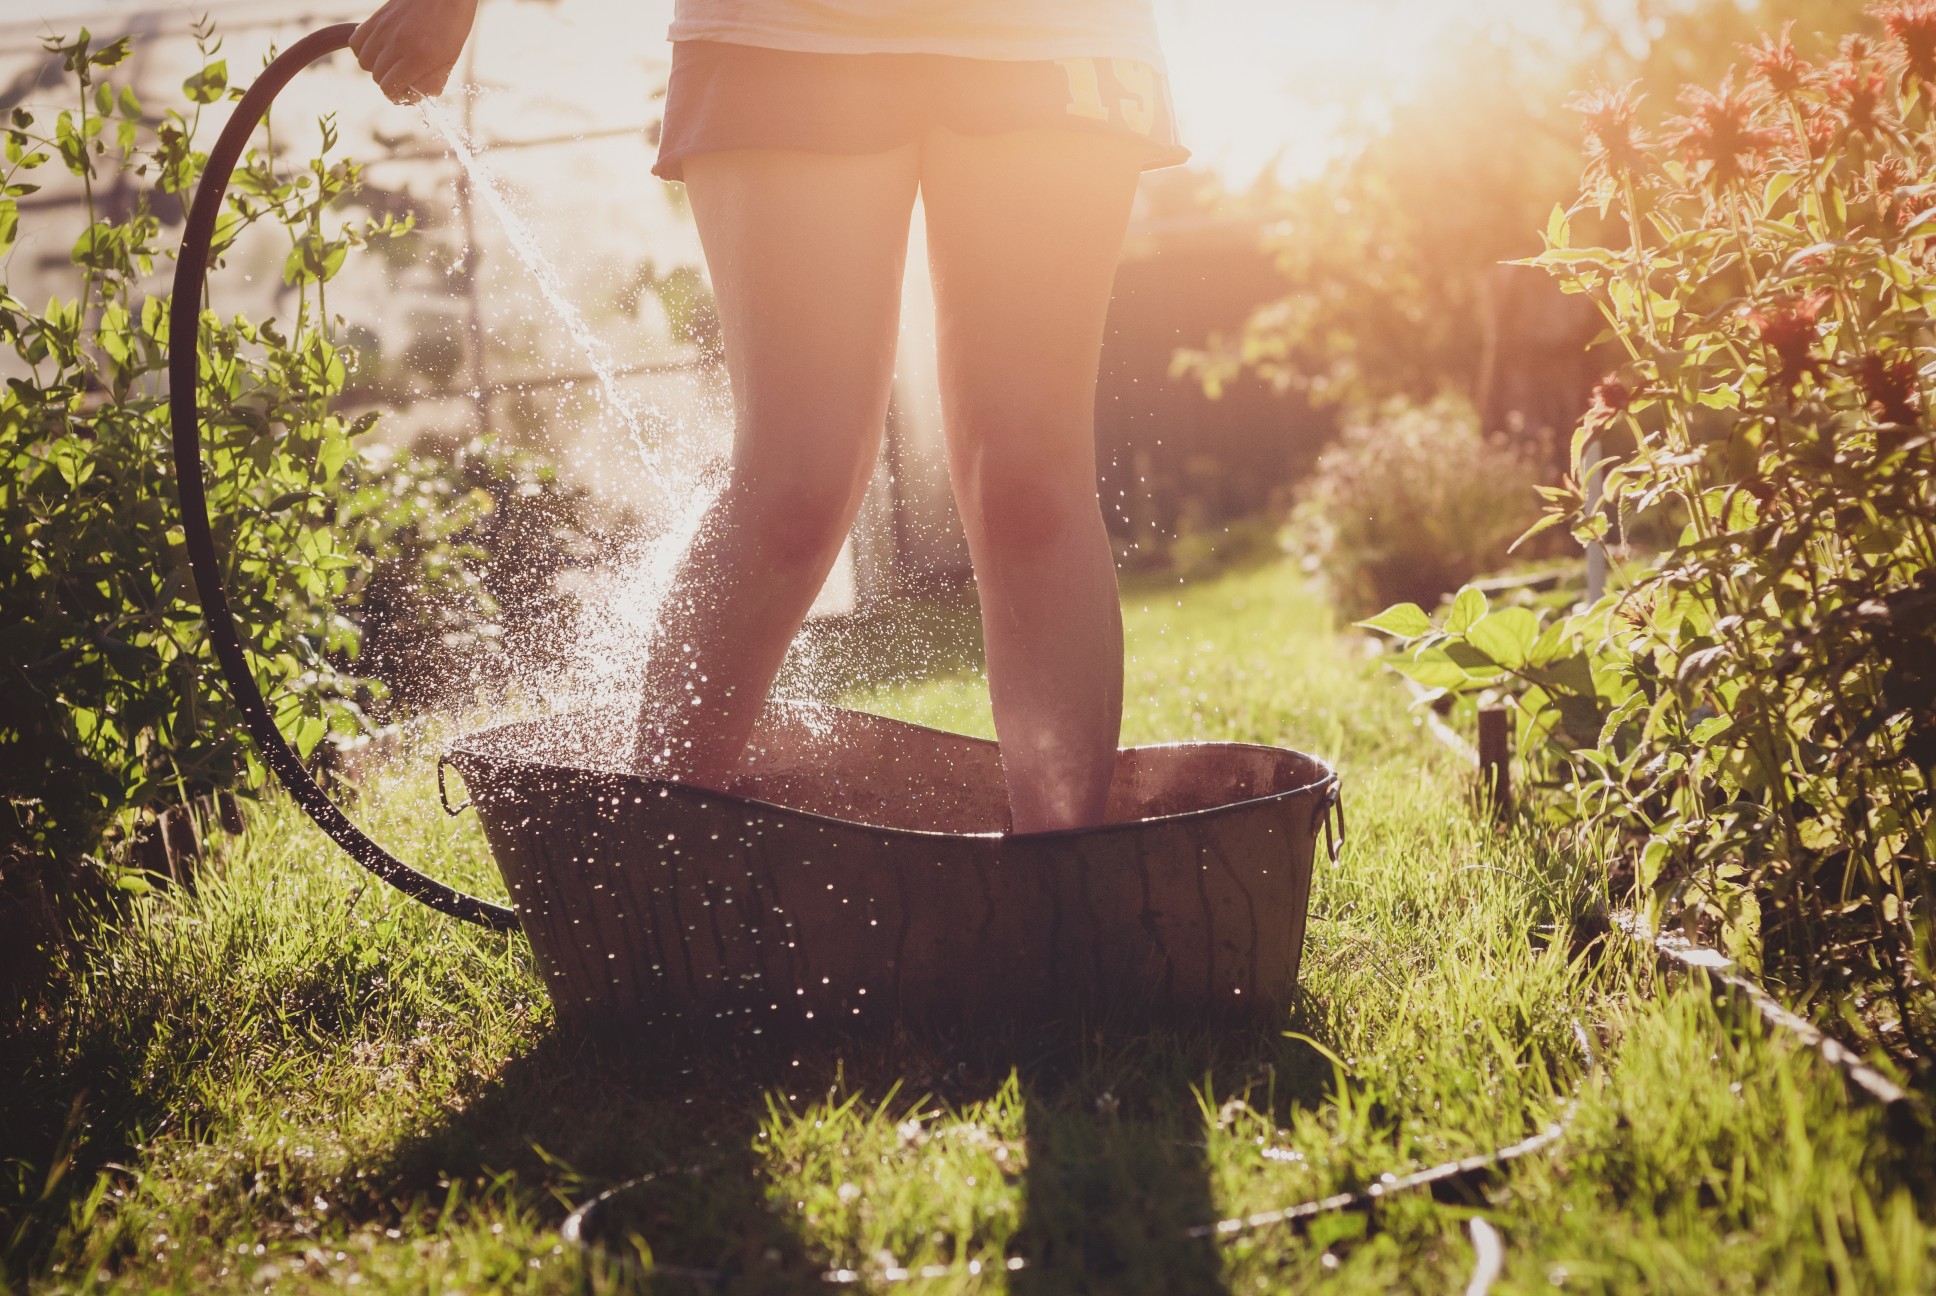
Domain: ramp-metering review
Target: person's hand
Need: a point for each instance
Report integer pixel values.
(410, 46)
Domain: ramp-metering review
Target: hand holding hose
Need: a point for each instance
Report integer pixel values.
(410, 46)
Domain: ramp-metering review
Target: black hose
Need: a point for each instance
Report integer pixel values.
(184, 362)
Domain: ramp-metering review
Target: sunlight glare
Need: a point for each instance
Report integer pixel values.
(1272, 84)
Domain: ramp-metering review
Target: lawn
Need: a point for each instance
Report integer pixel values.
(295, 1078)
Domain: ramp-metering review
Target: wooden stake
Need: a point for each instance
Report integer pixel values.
(1495, 774)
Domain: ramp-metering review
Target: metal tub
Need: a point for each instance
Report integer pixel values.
(858, 873)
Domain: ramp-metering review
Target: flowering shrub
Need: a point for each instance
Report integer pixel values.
(111, 702)
(1753, 719)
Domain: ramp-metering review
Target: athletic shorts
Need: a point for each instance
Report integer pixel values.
(724, 96)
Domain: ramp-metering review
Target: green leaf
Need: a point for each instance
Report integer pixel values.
(1551, 641)
(1401, 621)
(1710, 729)
(113, 332)
(1506, 636)
(72, 148)
(206, 86)
(1778, 184)
(9, 224)
(1581, 718)
(1475, 662)
(1598, 256)
(1467, 608)
(1546, 523)
(111, 54)
(1558, 231)
(1592, 529)
(1434, 669)
(334, 454)
(98, 247)
(1568, 675)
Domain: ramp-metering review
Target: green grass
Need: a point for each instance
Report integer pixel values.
(296, 1078)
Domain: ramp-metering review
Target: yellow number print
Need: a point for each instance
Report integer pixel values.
(1139, 104)
(1085, 89)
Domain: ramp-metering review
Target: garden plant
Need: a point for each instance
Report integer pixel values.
(111, 704)
(1385, 522)
(1749, 721)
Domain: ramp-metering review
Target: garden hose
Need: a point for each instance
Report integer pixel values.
(184, 363)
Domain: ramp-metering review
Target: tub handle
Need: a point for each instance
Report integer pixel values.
(1330, 809)
(185, 417)
(443, 796)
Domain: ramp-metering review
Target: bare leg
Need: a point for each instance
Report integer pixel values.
(1024, 230)
(806, 253)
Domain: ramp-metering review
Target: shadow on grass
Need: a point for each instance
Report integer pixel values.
(1116, 1161)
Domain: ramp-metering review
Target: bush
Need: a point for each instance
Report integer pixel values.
(1407, 506)
(1752, 721)
(112, 701)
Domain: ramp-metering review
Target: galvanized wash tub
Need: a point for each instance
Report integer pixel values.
(858, 873)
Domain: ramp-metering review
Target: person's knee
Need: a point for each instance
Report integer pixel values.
(1026, 502)
(796, 518)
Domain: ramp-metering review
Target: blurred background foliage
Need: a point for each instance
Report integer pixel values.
(1394, 289)
(1411, 500)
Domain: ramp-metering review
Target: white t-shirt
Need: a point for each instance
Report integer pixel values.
(984, 29)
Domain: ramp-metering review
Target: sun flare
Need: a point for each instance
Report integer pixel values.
(1271, 83)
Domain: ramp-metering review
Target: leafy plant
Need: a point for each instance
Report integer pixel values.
(111, 702)
(1407, 505)
(1752, 719)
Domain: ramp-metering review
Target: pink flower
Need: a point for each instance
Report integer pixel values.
(1777, 64)
(1787, 327)
(1719, 131)
(1615, 144)
(1911, 24)
(1856, 89)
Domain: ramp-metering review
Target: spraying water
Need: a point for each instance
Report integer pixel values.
(645, 423)
(619, 602)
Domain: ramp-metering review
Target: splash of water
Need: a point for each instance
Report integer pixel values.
(646, 424)
(618, 602)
